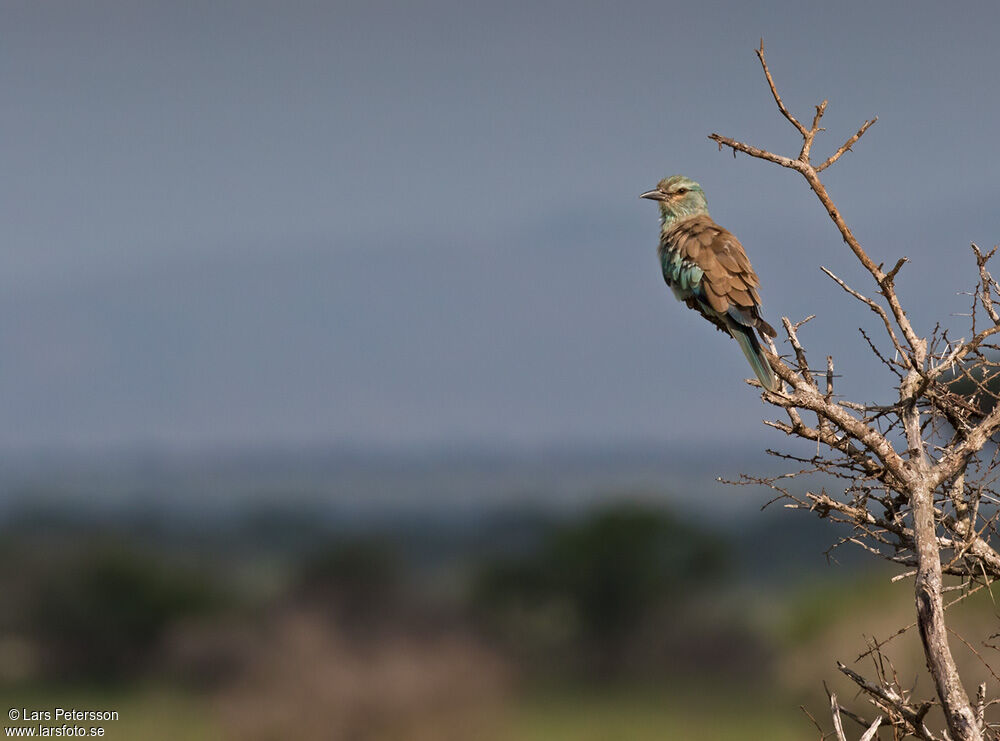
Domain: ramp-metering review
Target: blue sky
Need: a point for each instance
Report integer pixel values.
(398, 224)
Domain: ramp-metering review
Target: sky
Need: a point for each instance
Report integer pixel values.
(417, 224)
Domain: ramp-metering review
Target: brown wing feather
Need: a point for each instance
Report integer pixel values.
(685, 239)
(729, 279)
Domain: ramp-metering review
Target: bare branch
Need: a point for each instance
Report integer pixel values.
(777, 98)
(838, 726)
(846, 146)
(958, 458)
(886, 697)
(800, 354)
(986, 282)
(872, 730)
(806, 397)
(755, 152)
(943, 469)
(829, 379)
(874, 307)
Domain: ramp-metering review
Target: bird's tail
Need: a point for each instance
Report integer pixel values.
(751, 348)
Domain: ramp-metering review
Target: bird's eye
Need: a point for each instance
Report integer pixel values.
(681, 191)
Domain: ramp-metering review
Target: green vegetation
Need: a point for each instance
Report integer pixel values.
(98, 612)
(636, 714)
(622, 623)
(652, 715)
(143, 714)
(592, 586)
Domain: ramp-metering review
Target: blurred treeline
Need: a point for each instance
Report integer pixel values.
(289, 624)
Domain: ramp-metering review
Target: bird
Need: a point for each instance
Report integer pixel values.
(707, 268)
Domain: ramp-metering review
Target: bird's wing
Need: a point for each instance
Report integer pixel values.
(728, 282)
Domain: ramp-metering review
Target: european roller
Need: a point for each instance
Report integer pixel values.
(706, 268)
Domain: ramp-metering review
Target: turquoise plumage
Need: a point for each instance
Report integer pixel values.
(707, 268)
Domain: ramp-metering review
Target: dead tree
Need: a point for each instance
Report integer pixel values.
(914, 476)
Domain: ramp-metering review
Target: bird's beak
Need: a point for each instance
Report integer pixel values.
(654, 195)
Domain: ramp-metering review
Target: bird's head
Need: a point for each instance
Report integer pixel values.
(678, 197)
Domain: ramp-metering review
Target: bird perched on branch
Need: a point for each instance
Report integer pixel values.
(706, 268)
